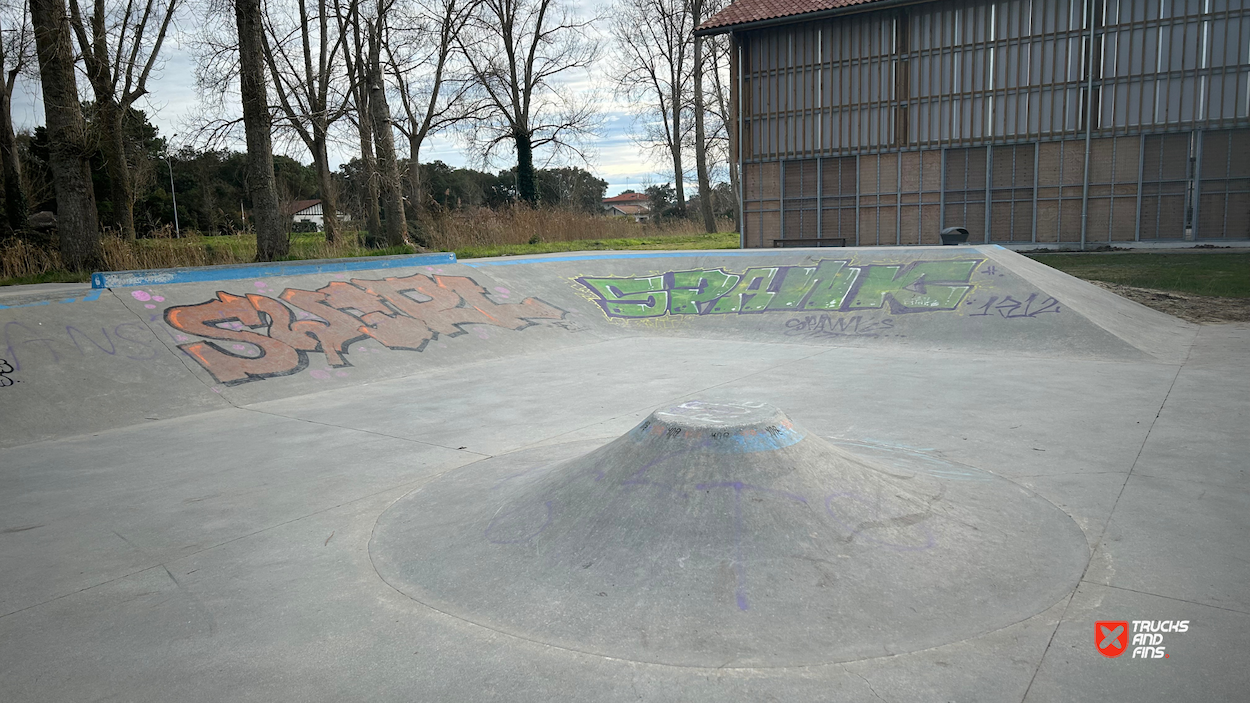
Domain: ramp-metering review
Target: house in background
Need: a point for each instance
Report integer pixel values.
(880, 122)
(628, 204)
(309, 211)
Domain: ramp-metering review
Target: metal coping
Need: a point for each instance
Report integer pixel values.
(129, 279)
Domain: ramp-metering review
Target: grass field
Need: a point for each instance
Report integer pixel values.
(1208, 274)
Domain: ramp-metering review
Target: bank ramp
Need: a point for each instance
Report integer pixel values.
(143, 346)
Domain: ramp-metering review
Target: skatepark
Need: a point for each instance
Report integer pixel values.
(899, 474)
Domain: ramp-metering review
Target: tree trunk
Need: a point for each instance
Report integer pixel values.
(680, 205)
(325, 184)
(369, 169)
(15, 207)
(384, 144)
(76, 223)
(271, 239)
(416, 191)
(700, 142)
(527, 188)
(113, 143)
(678, 170)
(730, 117)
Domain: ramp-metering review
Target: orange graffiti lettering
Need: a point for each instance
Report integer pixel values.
(272, 337)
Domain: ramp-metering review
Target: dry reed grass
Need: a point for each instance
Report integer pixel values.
(521, 225)
(449, 232)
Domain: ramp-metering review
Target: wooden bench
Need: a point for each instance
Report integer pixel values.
(810, 242)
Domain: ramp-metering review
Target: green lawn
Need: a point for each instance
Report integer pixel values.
(1213, 274)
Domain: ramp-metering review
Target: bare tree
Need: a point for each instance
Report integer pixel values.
(352, 26)
(17, 57)
(700, 131)
(271, 240)
(434, 95)
(119, 51)
(390, 187)
(519, 52)
(654, 71)
(718, 137)
(304, 52)
(77, 227)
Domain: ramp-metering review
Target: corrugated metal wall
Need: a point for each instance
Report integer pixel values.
(884, 127)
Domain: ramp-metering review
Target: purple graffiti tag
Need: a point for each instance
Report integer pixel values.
(1009, 308)
(877, 520)
(739, 562)
(70, 331)
(826, 327)
(10, 347)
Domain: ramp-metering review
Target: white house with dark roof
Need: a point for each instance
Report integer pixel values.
(310, 211)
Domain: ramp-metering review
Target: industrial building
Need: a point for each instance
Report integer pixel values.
(875, 122)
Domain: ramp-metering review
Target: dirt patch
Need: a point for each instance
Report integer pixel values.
(1195, 308)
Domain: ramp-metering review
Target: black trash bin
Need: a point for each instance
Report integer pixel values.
(954, 235)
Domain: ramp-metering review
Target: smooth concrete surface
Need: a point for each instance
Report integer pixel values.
(715, 534)
(173, 528)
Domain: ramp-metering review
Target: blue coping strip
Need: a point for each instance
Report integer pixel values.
(93, 295)
(130, 279)
(666, 255)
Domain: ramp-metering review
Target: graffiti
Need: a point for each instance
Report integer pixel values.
(712, 413)
(1009, 308)
(124, 341)
(739, 558)
(272, 337)
(830, 286)
(5, 369)
(826, 327)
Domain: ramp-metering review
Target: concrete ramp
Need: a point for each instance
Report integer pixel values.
(257, 482)
(986, 299)
(164, 344)
(722, 531)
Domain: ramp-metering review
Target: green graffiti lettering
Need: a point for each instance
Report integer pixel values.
(926, 285)
(631, 297)
(694, 291)
(828, 286)
(796, 281)
(833, 281)
(752, 294)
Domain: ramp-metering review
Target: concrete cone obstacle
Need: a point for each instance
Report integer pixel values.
(722, 534)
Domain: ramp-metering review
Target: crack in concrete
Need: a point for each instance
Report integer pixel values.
(1106, 523)
(1167, 597)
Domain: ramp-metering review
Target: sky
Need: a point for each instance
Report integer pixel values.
(174, 100)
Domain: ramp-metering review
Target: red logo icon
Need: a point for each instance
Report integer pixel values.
(1111, 637)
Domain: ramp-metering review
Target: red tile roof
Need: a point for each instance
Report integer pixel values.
(632, 208)
(748, 11)
(627, 198)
